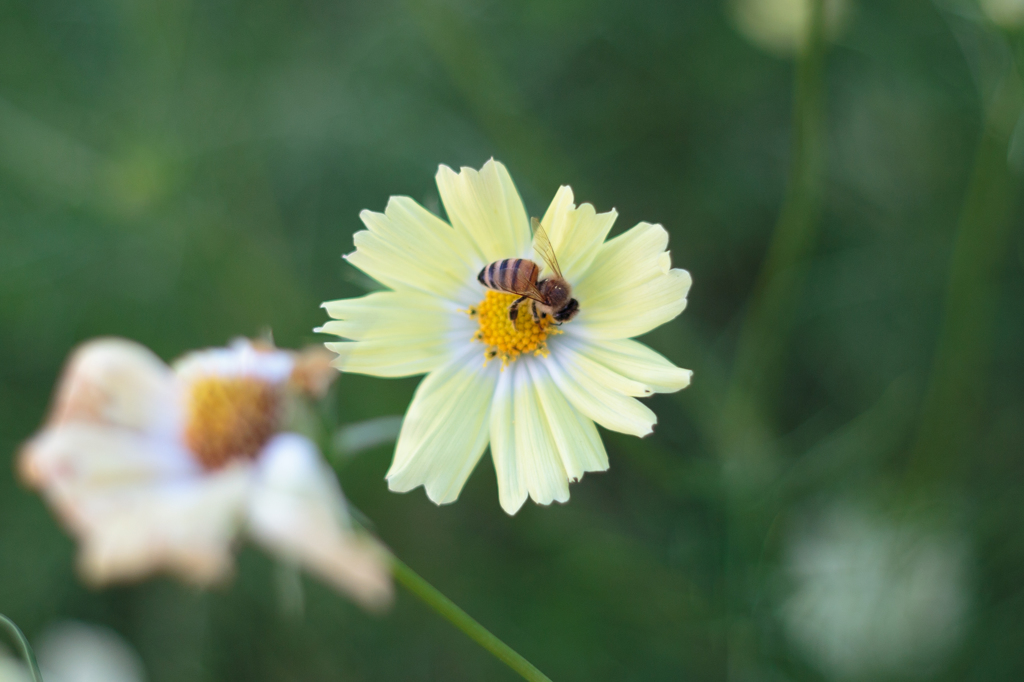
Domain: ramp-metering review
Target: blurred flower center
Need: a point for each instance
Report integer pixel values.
(506, 340)
(230, 418)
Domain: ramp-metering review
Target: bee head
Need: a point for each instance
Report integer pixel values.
(568, 311)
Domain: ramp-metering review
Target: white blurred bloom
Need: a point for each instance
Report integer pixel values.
(71, 651)
(12, 669)
(531, 391)
(873, 597)
(153, 468)
(77, 652)
(1006, 13)
(781, 26)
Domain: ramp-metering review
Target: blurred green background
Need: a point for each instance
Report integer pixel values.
(837, 496)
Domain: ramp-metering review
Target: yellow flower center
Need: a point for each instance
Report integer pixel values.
(230, 418)
(506, 340)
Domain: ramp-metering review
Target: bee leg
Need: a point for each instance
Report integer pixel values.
(533, 309)
(513, 310)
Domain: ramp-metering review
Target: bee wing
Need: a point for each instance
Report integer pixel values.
(533, 293)
(528, 289)
(542, 246)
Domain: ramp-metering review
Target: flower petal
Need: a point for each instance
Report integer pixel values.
(601, 374)
(536, 451)
(576, 234)
(389, 359)
(75, 459)
(485, 206)
(637, 362)
(648, 306)
(512, 492)
(296, 510)
(408, 247)
(242, 358)
(186, 528)
(606, 406)
(136, 503)
(579, 445)
(539, 442)
(395, 333)
(118, 383)
(386, 314)
(445, 429)
(624, 262)
(629, 288)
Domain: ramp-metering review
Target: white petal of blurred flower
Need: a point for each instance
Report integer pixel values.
(873, 597)
(160, 469)
(532, 391)
(294, 511)
(78, 652)
(781, 26)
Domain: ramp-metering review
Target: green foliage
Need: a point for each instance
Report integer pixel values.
(181, 173)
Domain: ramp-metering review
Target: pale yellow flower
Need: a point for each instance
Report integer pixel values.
(154, 468)
(533, 392)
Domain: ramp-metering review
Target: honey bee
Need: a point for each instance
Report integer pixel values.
(549, 296)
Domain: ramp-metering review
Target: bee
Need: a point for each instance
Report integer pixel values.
(550, 296)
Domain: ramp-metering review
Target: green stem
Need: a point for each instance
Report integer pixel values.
(955, 399)
(761, 346)
(463, 621)
(444, 606)
(746, 433)
(26, 648)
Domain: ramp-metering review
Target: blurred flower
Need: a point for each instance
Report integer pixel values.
(12, 669)
(78, 652)
(873, 597)
(781, 26)
(312, 373)
(153, 468)
(70, 651)
(1006, 13)
(533, 392)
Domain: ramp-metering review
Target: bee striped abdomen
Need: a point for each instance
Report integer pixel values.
(512, 275)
